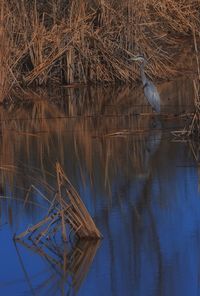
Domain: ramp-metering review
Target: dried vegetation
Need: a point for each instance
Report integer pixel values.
(81, 41)
(66, 211)
(191, 131)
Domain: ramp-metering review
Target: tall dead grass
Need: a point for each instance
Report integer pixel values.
(84, 41)
(7, 76)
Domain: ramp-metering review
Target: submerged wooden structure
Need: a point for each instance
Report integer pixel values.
(67, 215)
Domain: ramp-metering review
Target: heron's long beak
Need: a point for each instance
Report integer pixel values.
(137, 58)
(134, 58)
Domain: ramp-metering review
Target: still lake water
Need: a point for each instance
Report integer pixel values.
(141, 188)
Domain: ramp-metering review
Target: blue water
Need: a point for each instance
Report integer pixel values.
(141, 189)
(148, 213)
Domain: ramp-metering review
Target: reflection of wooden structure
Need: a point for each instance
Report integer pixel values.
(67, 212)
(70, 264)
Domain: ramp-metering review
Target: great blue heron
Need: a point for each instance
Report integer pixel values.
(150, 91)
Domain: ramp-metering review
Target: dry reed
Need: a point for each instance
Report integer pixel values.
(66, 209)
(90, 41)
(192, 129)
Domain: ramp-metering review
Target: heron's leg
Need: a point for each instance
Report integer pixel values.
(154, 122)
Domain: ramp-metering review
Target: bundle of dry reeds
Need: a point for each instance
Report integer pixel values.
(84, 41)
(66, 209)
(192, 129)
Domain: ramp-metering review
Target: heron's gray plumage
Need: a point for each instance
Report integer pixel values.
(150, 91)
(152, 96)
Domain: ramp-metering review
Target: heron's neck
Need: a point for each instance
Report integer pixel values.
(143, 76)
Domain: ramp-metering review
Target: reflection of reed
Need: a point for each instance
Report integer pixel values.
(195, 150)
(144, 209)
(68, 262)
(36, 134)
(71, 129)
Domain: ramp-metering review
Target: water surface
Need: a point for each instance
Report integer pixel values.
(140, 187)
